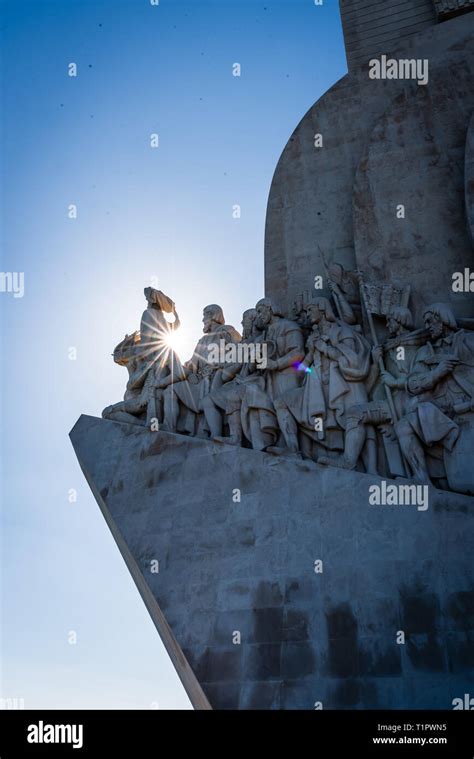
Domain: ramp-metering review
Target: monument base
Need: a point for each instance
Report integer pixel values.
(274, 583)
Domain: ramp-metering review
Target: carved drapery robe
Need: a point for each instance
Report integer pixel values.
(191, 391)
(345, 374)
(430, 410)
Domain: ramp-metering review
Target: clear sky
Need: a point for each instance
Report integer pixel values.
(142, 213)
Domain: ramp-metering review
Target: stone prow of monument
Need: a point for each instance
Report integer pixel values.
(271, 580)
(295, 595)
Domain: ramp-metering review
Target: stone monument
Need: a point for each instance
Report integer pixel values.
(296, 505)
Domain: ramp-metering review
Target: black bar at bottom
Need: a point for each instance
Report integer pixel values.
(31, 733)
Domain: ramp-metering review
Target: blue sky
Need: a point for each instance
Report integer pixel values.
(141, 213)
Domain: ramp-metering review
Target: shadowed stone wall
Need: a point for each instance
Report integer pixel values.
(449, 8)
(372, 27)
(385, 143)
(248, 567)
(469, 178)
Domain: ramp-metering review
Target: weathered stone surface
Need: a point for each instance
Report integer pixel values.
(372, 27)
(432, 241)
(385, 142)
(469, 177)
(247, 567)
(449, 8)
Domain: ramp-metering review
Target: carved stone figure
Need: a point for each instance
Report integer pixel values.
(344, 287)
(299, 315)
(342, 360)
(194, 383)
(398, 363)
(441, 384)
(336, 364)
(325, 402)
(285, 343)
(398, 353)
(148, 359)
(229, 389)
(133, 407)
(299, 407)
(154, 328)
